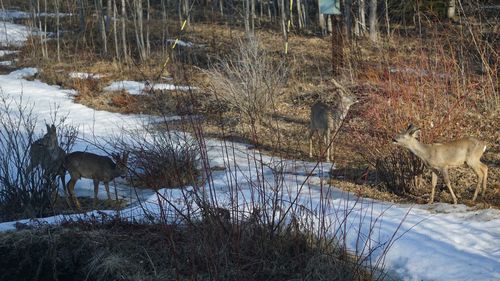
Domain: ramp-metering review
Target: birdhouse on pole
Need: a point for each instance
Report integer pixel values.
(329, 7)
(332, 8)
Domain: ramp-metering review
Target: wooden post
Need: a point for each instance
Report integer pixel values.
(337, 45)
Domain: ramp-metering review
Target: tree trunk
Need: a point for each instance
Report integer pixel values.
(247, 16)
(373, 21)
(148, 15)
(186, 12)
(252, 15)
(108, 16)
(348, 18)
(299, 14)
(283, 19)
(45, 50)
(451, 9)
(164, 33)
(322, 23)
(101, 24)
(139, 26)
(124, 33)
(115, 31)
(387, 20)
(362, 16)
(58, 32)
(81, 12)
(337, 45)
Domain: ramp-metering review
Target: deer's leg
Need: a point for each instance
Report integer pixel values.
(434, 182)
(62, 176)
(96, 191)
(106, 185)
(448, 184)
(480, 175)
(485, 177)
(71, 191)
(481, 171)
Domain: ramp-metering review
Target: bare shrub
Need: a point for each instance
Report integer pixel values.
(87, 88)
(399, 172)
(429, 90)
(120, 250)
(163, 159)
(248, 80)
(23, 192)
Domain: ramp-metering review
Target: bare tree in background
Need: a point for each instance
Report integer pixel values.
(451, 9)
(58, 31)
(102, 26)
(348, 18)
(373, 21)
(124, 31)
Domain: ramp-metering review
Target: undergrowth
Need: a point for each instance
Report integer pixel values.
(119, 250)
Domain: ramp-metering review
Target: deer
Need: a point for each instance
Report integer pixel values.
(439, 157)
(324, 119)
(46, 153)
(99, 168)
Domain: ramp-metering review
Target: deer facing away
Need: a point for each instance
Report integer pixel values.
(47, 153)
(439, 157)
(92, 166)
(325, 120)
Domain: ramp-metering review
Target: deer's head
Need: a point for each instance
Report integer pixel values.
(49, 140)
(121, 163)
(407, 137)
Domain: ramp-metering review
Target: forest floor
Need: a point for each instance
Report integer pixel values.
(285, 132)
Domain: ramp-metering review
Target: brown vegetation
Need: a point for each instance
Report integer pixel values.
(111, 249)
(439, 74)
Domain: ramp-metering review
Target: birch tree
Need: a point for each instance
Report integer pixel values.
(124, 31)
(373, 21)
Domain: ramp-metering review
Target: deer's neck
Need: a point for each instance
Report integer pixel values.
(419, 149)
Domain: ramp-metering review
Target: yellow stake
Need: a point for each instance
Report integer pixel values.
(175, 43)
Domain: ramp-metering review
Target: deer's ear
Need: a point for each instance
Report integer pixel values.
(415, 133)
(48, 128)
(53, 128)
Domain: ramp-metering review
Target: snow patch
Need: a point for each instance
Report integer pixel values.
(85, 75)
(12, 34)
(24, 73)
(7, 52)
(180, 43)
(137, 88)
(8, 15)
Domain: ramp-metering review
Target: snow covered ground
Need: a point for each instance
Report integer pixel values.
(137, 88)
(12, 34)
(438, 242)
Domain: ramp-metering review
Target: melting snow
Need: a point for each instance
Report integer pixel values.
(137, 88)
(85, 75)
(438, 242)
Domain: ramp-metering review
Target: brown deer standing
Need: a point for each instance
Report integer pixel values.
(92, 166)
(47, 153)
(439, 157)
(325, 119)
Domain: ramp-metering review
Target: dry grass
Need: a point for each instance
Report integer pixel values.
(115, 250)
(435, 84)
